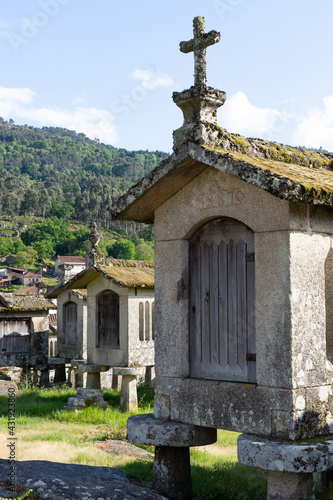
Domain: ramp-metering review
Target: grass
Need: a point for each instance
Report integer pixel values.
(45, 431)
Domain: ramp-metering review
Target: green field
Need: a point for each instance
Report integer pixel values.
(70, 436)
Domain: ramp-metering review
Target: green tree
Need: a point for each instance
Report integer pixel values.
(122, 249)
(44, 249)
(144, 252)
(25, 259)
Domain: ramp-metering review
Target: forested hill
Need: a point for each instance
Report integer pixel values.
(57, 172)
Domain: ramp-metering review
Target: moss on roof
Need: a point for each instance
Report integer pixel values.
(286, 180)
(129, 275)
(11, 302)
(273, 151)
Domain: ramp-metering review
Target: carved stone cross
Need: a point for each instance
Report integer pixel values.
(198, 45)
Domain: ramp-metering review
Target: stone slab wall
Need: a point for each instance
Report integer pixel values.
(141, 352)
(291, 249)
(104, 355)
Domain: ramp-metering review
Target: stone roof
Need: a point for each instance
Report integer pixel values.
(124, 273)
(30, 274)
(22, 303)
(290, 173)
(72, 259)
(294, 174)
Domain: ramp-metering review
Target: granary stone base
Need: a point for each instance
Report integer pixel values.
(87, 397)
(296, 470)
(172, 440)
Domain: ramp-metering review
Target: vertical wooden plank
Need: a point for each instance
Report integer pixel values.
(232, 304)
(205, 305)
(214, 303)
(251, 327)
(241, 306)
(153, 321)
(108, 319)
(223, 303)
(14, 336)
(195, 310)
(70, 327)
(147, 321)
(141, 323)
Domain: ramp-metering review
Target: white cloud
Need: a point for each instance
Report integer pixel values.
(316, 128)
(80, 100)
(19, 95)
(16, 103)
(152, 79)
(4, 24)
(240, 116)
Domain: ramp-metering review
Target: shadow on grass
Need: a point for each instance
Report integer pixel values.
(228, 480)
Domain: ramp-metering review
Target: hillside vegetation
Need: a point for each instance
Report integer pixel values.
(57, 172)
(54, 183)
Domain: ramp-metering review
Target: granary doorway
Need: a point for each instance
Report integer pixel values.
(70, 323)
(222, 319)
(108, 319)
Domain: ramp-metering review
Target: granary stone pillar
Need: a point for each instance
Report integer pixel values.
(116, 382)
(150, 375)
(128, 394)
(60, 374)
(44, 377)
(172, 441)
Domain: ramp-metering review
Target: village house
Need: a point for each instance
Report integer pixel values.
(244, 287)
(29, 278)
(24, 332)
(106, 318)
(74, 263)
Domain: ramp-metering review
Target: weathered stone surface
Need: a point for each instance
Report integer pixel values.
(57, 361)
(128, 395)
(84, 368)
(126, 371)
(57, 481)
(289, 486)
(7, 384)
(87, 397)
(172, 472)
(280, 456)
(146, 429)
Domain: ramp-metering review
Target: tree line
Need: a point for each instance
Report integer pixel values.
(54, 172)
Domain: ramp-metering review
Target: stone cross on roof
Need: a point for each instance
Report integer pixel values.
(198, 45)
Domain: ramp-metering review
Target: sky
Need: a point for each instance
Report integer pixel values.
(108, 68)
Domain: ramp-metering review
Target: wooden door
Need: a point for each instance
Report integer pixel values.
(222, 320)
(70, 323)
(108, 319)
(14, 336)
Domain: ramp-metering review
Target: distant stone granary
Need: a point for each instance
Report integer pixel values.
(24, 331)
(244, 289)
(106, 315)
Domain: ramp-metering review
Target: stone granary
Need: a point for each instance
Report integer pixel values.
(116, 325)
(71, 334)
(24, 332)
(244, 290)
